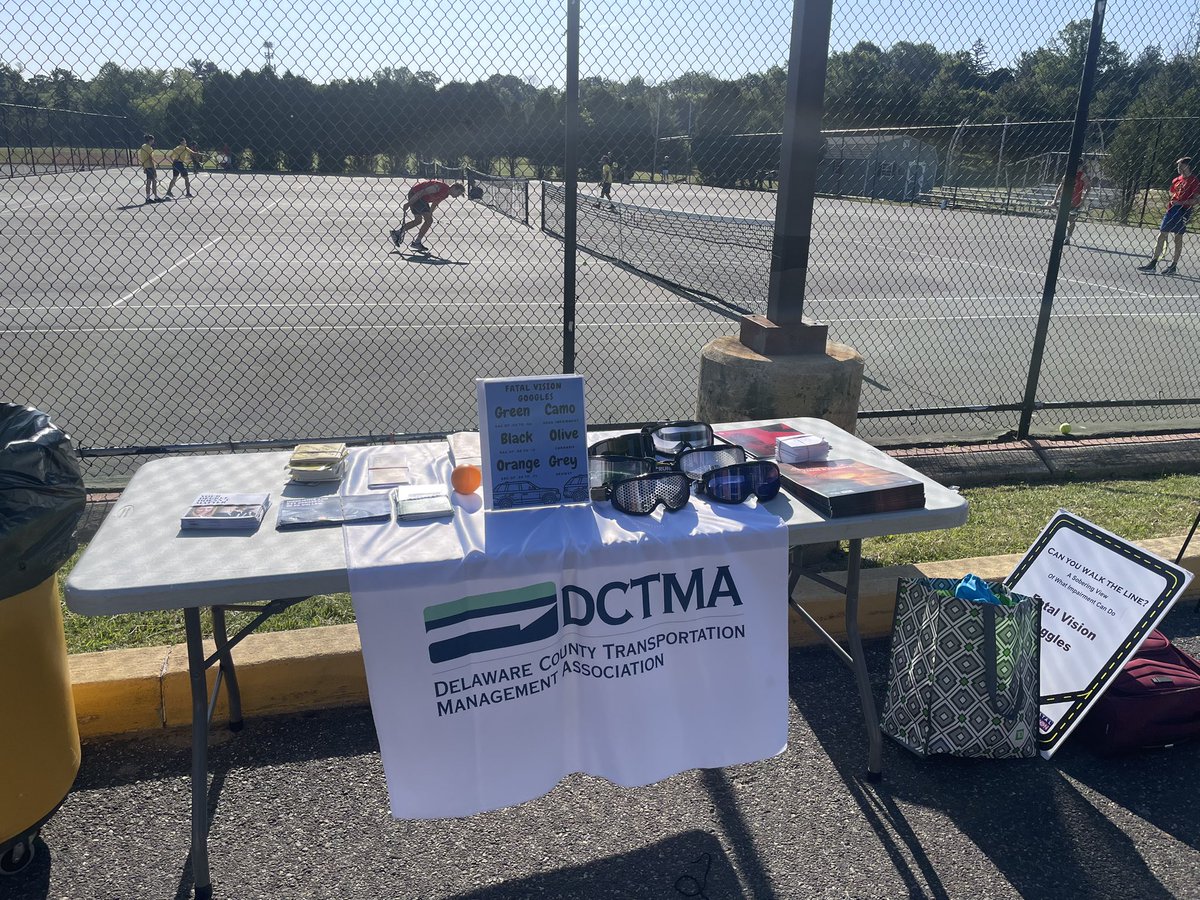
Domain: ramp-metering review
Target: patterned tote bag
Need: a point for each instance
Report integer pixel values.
(963, 675)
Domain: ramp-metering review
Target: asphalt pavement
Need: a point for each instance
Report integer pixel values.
(298, 803)
(298, 808)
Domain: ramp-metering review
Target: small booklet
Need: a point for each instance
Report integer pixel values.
(421, 501)
(758, 441)
(387, 468)
(225, 511)
(315, 512)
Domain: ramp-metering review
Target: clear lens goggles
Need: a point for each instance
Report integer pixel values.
(670, 438)
(605, 469)
(694, 463)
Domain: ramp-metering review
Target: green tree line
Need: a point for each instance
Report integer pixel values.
(506, 125)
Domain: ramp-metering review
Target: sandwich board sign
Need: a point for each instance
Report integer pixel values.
(1100, 597)
(533, 441)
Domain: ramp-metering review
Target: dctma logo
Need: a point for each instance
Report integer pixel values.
(492, 621)
(529, 614)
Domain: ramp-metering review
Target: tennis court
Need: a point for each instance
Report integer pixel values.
(942, 303)
(273, 306)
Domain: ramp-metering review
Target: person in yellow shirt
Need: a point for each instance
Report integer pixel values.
(146, 161)
(180, 157)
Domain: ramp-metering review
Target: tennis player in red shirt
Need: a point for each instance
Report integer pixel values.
(1185, 191)
(1078, 194)
(423, 198)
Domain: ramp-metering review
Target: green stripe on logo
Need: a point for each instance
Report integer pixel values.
(485, 601)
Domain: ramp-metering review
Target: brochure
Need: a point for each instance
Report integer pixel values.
(421, 501)
(225, 511)
(315, 512)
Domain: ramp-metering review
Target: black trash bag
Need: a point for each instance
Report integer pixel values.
(41, 498)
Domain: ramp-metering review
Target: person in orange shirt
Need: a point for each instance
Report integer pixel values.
(1185, 191)
(1078, 194)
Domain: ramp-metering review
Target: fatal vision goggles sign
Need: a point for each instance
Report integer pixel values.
(533, 439)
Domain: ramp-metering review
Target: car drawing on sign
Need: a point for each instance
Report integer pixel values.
(522, 493)
(576, 489)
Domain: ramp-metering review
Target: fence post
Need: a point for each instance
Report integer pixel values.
(1078, 132)
(805, 100)
(571, 184)
(1150, 174)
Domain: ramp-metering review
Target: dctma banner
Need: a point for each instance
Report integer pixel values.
(565, 643)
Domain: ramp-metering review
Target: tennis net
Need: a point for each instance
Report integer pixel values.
(724, 257)
(509, 196)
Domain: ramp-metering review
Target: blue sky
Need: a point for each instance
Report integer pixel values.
(469, 39)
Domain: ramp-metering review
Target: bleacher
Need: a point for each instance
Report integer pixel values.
(1028, 201)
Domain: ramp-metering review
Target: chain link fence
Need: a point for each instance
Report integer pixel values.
(271, 299)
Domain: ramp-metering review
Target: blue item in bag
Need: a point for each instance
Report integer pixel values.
(972, 587)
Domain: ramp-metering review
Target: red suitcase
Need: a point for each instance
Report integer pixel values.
(1153, 702)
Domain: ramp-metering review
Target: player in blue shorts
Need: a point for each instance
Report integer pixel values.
(1185, 191)
(180, 157)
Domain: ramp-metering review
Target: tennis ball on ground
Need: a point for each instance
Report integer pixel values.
(466, 479)
(1064, 428)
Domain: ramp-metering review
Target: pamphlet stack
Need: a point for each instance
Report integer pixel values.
(800, 449)
(312, 463)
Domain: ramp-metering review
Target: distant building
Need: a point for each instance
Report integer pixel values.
(884, 167)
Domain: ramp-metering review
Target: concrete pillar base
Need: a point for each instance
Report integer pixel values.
(737, 384)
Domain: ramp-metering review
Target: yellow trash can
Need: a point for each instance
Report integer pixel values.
(41, 499)
(39, 753)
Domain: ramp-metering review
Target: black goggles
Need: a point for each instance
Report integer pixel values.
(736, 483)
(671, 438)
(639, 443)
(642, 495)
(695, 462)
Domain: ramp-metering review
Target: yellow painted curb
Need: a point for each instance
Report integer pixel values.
(124, 691)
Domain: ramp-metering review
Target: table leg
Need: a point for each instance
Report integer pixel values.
(854, 639)
(196, 669)
(227, 670)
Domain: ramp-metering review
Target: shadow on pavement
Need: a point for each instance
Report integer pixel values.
(1084, 812)
(692, 864)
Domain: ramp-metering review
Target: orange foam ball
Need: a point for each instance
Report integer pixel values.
(466, 479)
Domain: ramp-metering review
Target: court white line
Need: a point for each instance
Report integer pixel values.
(1042, 275)
(151, 281)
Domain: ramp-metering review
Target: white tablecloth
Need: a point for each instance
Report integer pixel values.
(505, 650)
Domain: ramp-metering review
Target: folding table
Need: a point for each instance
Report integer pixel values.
(140, 560)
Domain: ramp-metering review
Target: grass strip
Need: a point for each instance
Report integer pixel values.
(1003, 519)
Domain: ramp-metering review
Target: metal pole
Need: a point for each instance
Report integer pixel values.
(571, 183)
(1150, 174)
(798, 164)
(1078, 132)
(1000, 158)
(654, 163)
